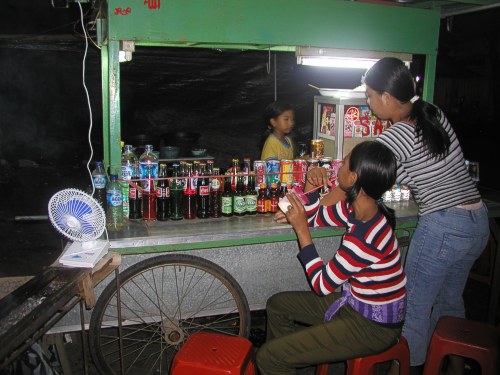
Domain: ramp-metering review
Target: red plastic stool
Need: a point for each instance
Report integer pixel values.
(206, 353)
(363, 366)
(465, 338)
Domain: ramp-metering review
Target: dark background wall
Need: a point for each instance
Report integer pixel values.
(220, 94)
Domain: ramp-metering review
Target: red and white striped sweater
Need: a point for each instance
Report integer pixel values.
(368, 256)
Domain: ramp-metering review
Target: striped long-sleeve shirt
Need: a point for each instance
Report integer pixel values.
(436, 184)
(368, 256)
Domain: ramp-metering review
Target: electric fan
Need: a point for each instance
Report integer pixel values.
(81, 219)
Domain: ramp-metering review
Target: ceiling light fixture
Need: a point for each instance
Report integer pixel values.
(344, 58)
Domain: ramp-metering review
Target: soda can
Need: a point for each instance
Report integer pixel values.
(312, 163)
(299, 172)
(259, 168)
(272, 172)
(286, 169)
(326, 162)
(317, 148)
(336, 164)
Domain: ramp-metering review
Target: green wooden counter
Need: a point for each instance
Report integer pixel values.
(150, 237)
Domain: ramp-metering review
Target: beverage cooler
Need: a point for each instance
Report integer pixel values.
(343, 119)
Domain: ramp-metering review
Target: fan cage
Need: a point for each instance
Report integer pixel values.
(76, 215)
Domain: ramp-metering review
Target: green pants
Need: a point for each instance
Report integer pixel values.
(298, 337)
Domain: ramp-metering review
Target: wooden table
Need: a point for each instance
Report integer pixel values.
(33, 308)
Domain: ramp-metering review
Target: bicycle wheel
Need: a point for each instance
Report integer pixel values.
(163, 301)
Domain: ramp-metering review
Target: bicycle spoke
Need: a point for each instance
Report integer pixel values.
(163, 300)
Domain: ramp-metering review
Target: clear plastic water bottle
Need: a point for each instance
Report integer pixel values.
(129, 163)
(100, 180)
(148, 164)
(114, 214)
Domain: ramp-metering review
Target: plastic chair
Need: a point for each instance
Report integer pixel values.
(206, 353)
(465, 338)
(364, 365)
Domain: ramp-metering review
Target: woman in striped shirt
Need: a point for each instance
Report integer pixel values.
(368, 316)
(452, 230)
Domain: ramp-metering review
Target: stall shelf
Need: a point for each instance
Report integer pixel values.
(153, 236)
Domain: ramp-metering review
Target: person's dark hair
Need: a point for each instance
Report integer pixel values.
(375, 166)
(391, 75)
(273, 110)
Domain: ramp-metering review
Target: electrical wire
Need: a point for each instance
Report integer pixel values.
(88, 97)
(86, 37)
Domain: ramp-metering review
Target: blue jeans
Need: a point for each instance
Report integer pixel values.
(442, 251)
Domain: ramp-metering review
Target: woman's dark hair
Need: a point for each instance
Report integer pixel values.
(375, 166)
(273, 110)
(391, 75)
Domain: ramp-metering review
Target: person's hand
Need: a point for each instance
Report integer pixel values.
(317, 177)
(296, 214)
(280, 217)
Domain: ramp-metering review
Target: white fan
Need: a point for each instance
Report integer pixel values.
(81, 219)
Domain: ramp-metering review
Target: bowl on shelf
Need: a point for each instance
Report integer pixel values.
(169, 152)
(197, 152)
(186, 141)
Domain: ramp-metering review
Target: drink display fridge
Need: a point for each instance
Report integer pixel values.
(342, 120)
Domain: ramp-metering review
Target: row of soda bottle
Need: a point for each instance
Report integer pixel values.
(193, 190)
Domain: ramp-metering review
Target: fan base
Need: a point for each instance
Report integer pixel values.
(84, 254)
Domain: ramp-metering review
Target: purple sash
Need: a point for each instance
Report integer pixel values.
(389, 313)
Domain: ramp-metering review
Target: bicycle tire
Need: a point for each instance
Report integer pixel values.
(164, 299)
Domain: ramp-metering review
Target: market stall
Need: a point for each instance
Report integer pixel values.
(256, 25)
(255, 250)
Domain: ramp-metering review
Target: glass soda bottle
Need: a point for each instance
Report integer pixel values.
(251, 196)
(215, 194)
(189, 198)
(203, 193)
(99, 180)
(239, 207)
(227, 198)
(261, 199)
(129, 163)
(210, 171)
(235, 168)
(114, 214)
(148, 164)
(176, 194)
(246, 170)
(274, 198)
(135, 197)
(162, 195)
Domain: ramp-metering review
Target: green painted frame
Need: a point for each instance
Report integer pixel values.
(279, 25)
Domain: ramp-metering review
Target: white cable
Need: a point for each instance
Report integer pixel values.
(88, 97)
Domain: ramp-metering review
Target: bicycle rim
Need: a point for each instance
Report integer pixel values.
(163, 301)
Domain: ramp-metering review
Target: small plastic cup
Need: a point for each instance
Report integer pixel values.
(284, 203)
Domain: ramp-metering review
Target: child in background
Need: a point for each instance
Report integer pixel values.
(280, 119)
(368, 316)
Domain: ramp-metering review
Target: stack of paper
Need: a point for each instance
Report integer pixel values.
(84, 254)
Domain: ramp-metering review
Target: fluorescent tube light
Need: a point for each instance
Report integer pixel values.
(344, 58)
(337, 62)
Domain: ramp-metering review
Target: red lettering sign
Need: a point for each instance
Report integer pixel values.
(122, 12)
(152, 4)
